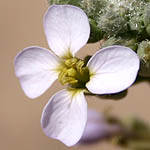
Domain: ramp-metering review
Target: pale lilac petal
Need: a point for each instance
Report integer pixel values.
(36, 69)
(94, 127)
(98, 128)
(112, 69)
(64, 117)
(67, 29)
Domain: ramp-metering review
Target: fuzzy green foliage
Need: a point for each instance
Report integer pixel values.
(136, 135)
(144, 55)
(61, 2)
(125, 41)
(146, 15)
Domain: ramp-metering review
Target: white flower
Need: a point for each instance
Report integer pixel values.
(110, 70)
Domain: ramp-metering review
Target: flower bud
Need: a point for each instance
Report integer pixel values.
(148, 30)
(128, 42)
(146, 15)
(146, 19)
(113, 22)
(144, 55)
(136, 24)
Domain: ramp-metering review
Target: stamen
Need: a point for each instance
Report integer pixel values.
(62, 75)
(69, 80)
(71, 62)
(79, 65)
(74, 73)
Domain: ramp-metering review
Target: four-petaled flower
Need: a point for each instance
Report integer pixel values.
(109, 70)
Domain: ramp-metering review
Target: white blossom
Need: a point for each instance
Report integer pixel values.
(111, 70)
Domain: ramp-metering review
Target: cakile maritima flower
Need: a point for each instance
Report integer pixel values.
(109, 70)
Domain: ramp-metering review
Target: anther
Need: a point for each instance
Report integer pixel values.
(79, 65)
(71, 62)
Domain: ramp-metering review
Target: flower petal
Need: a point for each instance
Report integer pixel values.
(94, 127)
(35, 68)
(112, 69)
(67, 29)
(64, 117)
(98, 128)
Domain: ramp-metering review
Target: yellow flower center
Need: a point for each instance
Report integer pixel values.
(74, 73)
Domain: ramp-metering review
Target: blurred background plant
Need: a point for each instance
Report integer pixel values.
(130, 133)
(119, 22)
